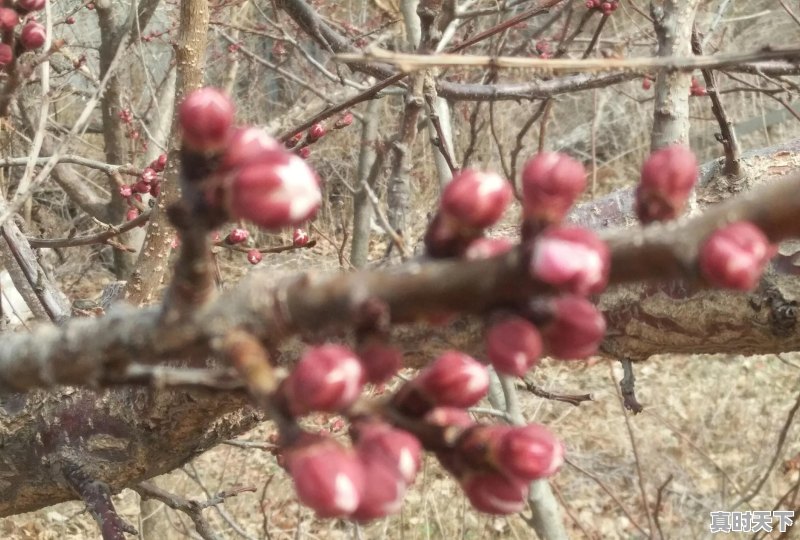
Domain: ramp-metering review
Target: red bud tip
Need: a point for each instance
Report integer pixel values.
(316, 132)
(513, 346)
(734, 256)
(293, 140)
(149, 175)
(668, 176)
(304, 152)
(551, 183)
(646, 84)
(328, 478)
(237, 236)
(160, 163)
(486, 248)
(454, 380)
(246, 146)
(576, 330)
(131, 214)
(572, 259)
(493, 493)
(277, 190)
(141, 187)
(32, 36)
(327, 378)
(254, 256)
(345, 120)
(300, 238)
(205, 117)
(8, 19)
(476, 199)
(6, 55)
(530, 453)
(397, 449)
(125, 191)
(381, 362)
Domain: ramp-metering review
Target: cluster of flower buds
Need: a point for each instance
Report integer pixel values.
(31, 36)
(607, 7)
(696, 89)
(147, 183)
(256, 178)
(544, 49)
(302, 141)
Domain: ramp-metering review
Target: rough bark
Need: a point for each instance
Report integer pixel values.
(362, 206)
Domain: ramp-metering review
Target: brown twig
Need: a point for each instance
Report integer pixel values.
(628, 387)
(572, 399)
(97, 238)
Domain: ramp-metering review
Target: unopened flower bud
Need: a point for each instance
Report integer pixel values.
(141, 187)
(237, 236)
(734, 256)
(293, 140)
(247, 145)
(316, 132)
(278, 189)
(205, 117)
(668, 176)
(254, 256)
(476, 199)
(513, 346)
(381, 362)
(345, 120)
(6, 55)
(398, 449)
(8, 19)
(327, 378)
(131, 214)
(486, 248)
(304, 152)
(148, 175)
(551, 183)
(494, 493)
(529, 453)
(572, 259)
(454, 379)
(125, 191)
(328, 478)
(384, 489)
(32, 36)
(300, 238)
(576, 329)
(160, 163)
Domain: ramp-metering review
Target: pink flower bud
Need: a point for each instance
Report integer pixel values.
(254, 256)
(454, 380)
(149, 175)
(398, 449)
(476, 199)
(316, 132)
(299, 237)
(529, 453)
(160, 163)
(572, 259)
(277, 190)
(384, 490)
(30, 5)
(141, 187)
(293, 140)
(70, 20)
(237, 236)
(381, 362)
(8, 19)
(32, 35)
(345, 120)
(513, 346)
(328, 478)
(155, 189)
(6, 55)
(125, 191)
(304, 152)
(247, 145)
(646, 84)
(205, 117)
(493, 493)
(131, 214)
(734, 256)
(486, 248)
(668, 176)
(576, 330)
(551, 183)
(327, 378)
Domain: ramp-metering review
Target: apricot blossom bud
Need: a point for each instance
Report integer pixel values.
(237, 236)
(160, 163)
(576, 329)
(299, 237)
(327, 378)
(254, 256)
(494, 493)
(572, 259)
(131, 214)
(667, 179)
(8, 19)
(276, 190)
(328, 478)
(316, 132)
(485, 248)
(476, 199)
(343, 121)
(6, 55)
(380, 361)
(149, 175)
(529, 453)
(398, 449)
(247, 145)
(384, 489)
(32, 36)
(551, 183)
(734, 256)
(454, 379)
(125, 191)
(513, 346)
(205, 117)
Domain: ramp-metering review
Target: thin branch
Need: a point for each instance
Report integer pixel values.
(98, 238)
